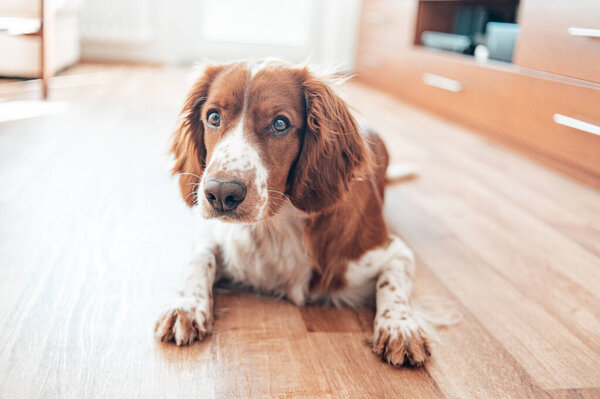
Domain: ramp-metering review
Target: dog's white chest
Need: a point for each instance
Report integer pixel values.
(268, 256)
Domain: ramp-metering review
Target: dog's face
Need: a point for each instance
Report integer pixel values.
(254, 134)
(253, 123)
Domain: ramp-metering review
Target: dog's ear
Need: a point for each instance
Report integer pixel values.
(188, 140)
(333, 151)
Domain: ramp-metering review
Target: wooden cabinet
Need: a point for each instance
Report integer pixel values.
(540, 112)
(387, 25)
(561, 37)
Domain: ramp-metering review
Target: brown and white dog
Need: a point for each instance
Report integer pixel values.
(291, 194)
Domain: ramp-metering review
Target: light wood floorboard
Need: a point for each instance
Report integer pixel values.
(93, 236)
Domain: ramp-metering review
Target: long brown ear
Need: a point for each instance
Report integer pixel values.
(332, 153)
(188, 140)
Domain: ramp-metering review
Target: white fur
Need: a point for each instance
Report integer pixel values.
(397, 271)
(194, 302)
(267, 256)
(362, 274)
(238, 158)
(270, 257)
(257, 66)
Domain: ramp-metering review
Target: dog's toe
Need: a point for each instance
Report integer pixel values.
(181, 327)
(401, 346)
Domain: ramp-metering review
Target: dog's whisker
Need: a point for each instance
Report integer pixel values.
(188, 173)
(195, 193)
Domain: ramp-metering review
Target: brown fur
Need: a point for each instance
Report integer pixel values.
(188, 140)
(333, 151)
(344, 233)
(339, 180)
(380, 158)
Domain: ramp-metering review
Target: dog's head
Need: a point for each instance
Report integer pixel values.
(254, 134)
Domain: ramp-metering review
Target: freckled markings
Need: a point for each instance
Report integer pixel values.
(234, 153)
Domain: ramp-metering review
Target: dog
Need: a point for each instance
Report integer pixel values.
(291, 191)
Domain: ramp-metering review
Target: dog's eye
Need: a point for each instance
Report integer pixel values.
(213, 119)
(280, 124)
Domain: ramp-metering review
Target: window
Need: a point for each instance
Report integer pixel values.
(261, 22)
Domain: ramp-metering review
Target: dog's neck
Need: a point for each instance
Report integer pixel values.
(289, 220)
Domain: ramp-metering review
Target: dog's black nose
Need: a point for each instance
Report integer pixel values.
(224, 195)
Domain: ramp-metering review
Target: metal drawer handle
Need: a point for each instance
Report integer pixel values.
(576, 124)
(584, 32)
(441, 82)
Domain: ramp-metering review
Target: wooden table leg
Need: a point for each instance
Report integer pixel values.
(46, 37)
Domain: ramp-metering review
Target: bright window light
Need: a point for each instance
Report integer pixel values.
(264, 22)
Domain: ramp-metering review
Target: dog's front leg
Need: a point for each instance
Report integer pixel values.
(191, 317)
(400, 332)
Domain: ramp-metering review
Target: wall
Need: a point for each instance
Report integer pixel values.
(172, 32)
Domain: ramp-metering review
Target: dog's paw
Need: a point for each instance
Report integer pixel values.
(400, 342)
(183, 326)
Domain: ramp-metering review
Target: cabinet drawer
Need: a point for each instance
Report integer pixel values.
(555, 117)
(445, 84)
(560, 119)
(561, 37)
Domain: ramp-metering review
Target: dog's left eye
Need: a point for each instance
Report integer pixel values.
(213, 119)
(280, 124)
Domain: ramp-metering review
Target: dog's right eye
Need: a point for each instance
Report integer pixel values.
(213, 119)
(280, 125)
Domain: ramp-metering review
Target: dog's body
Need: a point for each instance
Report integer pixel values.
(291, 191)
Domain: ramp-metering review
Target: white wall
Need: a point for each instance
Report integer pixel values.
(171, 31)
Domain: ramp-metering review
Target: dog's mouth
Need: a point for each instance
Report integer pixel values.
(233, 216)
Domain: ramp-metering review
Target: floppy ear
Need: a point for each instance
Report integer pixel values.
(333, 151)
(188, 140)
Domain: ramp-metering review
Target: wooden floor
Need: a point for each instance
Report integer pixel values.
(93, 236)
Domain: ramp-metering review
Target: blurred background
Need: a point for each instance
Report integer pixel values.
(177, 33)
(496, 102)
(482, 63)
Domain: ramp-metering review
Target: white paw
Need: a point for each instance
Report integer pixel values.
(183, 325)
(399, 341)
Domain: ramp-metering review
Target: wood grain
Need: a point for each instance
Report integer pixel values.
(93, 237)
(545, 34)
